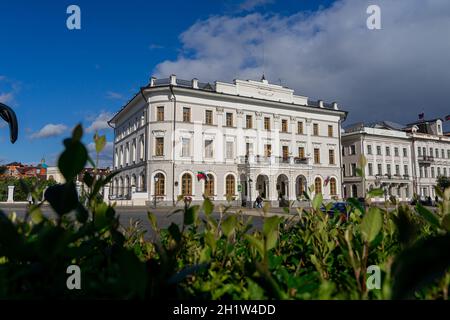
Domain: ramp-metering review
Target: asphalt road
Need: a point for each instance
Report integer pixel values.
(129, 214)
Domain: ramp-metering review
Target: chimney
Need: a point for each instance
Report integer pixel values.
(195, 83)
(321, 103)
(335, 106)
(152, 81)
(173, 79)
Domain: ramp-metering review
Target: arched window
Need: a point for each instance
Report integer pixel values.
(159, 184)
(133, 180)
(354, 191)
(186, 184)
(142, 182)
(121, 186)
(127, 185)
(209, 185)
(229, 185)
(333, 191)
(318, 185)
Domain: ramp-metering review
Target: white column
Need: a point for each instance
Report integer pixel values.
(10, 194)
(106, 194)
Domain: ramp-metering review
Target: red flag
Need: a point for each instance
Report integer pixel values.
(447, 118)
(201, 176)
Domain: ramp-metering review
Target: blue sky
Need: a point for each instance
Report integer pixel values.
(56, 77)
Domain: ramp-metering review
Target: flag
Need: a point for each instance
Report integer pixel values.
(325, 182)
(421, 115)
(201, 176)
(447, 118)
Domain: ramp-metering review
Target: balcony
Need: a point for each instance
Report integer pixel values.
(252, 159)
(426, 159)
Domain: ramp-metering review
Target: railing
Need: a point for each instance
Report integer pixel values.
(272, 160)
(426, 159)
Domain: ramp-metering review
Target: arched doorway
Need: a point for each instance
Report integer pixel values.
(300, 186)
(283, 187)
(262, 186)
(160, 182)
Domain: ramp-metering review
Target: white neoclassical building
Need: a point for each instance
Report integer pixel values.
(248, 137)
(387, 149)
(402, 159)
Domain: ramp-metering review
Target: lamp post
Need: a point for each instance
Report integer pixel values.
(154, 197)
(7, 114)
(250, 181)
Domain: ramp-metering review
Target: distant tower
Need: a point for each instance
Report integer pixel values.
(43, 168)
(263, 79)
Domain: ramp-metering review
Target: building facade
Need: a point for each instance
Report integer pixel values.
(387, 150)
(404, 160)
(249, 138)
(431, 154)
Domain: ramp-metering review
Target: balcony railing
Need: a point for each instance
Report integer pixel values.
(426, 159)
(273, 160)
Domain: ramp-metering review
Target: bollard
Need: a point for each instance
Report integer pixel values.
(10, 194)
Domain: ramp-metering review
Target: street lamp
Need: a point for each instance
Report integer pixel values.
(154, 197)
(7, 114)
(250, 181)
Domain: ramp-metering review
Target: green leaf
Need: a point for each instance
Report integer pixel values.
(375, 193)
(174, 232)
(427, 215)
(362, 161)
(270, 225)
(359, 172)
(77, 133)
(73, 159)
(229, 225)
(446, 222)
(210, 240)
(317, 201)
(62, 197)
(356, 204)
(420, 265)
(190, 215)
(256, 243)
(271, 239)
(100, 142)
(152, 218)
(371, 224)
(208, 206)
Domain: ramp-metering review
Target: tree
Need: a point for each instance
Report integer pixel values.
(443, 182)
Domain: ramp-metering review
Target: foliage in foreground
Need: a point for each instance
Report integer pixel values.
(309, 255)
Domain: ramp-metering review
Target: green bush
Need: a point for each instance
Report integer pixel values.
(307, 255)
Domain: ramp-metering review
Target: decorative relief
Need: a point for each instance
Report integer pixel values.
(219, 110)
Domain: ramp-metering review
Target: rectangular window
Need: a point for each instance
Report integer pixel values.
(315, 129)
(285, 152)
(436, 153)
(331, 156)
(397, 169)
(186, 114)
(284, 125)
(380, 169)
(159, 147)
(352, 149)
(300, 127)
(370, 169)
(301, 152)
(229, 119)
(248, 121)
(432, 172)
(266, 123)
(442, 154)
(353, 169)
(396, 152)
(267, 150)
(438, 171)
(160, 114)
(378, 150)
(425, 171)
(208, 117)
(330, 130)
(186, 147)
(209, 150)
(448, 154)
(230, 150)
(248, 148)
(316, 155)
(369, 149)
(388, 151)
(405, 152)
(405, 170)
(388, 169)
(419, 151)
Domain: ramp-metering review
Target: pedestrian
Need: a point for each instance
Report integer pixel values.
(259, 201)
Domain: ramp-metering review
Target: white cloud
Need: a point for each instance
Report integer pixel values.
(6, 97)
(114, 95)
(101, 122)
(249, 5)
(49, 130)
(330, 54)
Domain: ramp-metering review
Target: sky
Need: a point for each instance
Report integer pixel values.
(54, 77)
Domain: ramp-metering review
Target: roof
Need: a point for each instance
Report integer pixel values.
(389, 125)
(422, 122)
